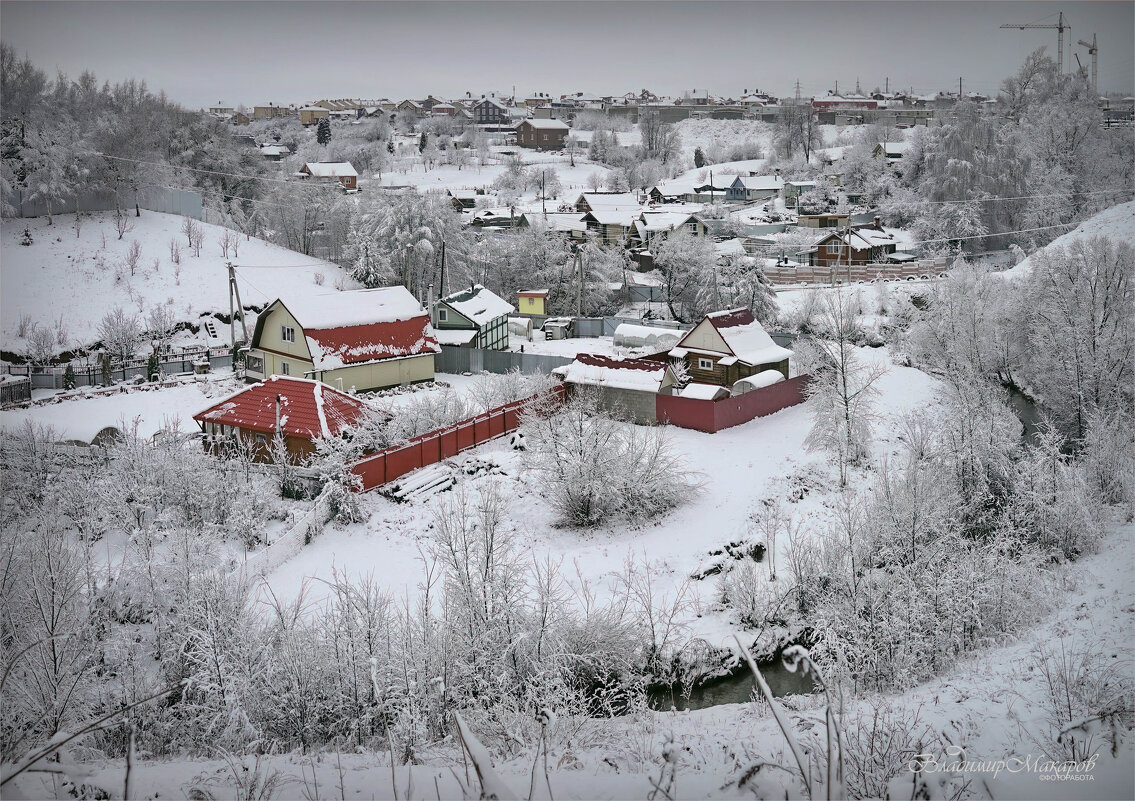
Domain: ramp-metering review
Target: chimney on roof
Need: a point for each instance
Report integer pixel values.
(878, 222)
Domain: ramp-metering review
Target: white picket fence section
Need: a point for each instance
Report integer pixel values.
(287, 545)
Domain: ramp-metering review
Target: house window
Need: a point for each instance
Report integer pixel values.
(287, 333)
(261, 439)
(833, 248)
(532, 301)
(442, 315)
(255, 363)
(285, 368)
(705, 364)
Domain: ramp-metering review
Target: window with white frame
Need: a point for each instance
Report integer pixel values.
(705, 364)
(834, 248)
(443, 315)
(285, 368)
(287, 333)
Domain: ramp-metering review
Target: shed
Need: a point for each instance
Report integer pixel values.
(626, 386)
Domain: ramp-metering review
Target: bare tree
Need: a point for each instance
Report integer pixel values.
(174, 250)
(134, 256)
(120, 333)
(659, 139)
(160, 323)
(228, 240)
(122, 223)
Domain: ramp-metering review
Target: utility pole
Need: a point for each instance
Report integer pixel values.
(1060, 27)
(442, 282)
(234, 292)
(959, 87)
(887, 85)
(579, 295)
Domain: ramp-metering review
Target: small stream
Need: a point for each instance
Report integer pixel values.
(736, 688)
(1027, 411)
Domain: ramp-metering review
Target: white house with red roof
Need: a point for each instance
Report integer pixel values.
(363, 339)
(300, 410)
(727, 346)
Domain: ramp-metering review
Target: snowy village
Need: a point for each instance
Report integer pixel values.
(755, 426)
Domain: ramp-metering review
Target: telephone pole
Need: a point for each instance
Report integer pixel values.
(234, 292)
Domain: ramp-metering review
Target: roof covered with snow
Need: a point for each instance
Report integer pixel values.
(545, 125)
(477, 304)
(308, 409)
(745, 337)
(603, 371)
(330, 169)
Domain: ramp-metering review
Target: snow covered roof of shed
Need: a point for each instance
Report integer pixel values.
(604, 371)
(478, 304)
(894, 149)
(330, 169)
(760, 182)
(703, 391)
(613, 200)
(308, 409)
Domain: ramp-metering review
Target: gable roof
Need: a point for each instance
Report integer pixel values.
(609, 200)
(544, 125)
(308, 409)
(745, 337)
(358, 326)
(759, 182)
(478, 305)
(330, 169)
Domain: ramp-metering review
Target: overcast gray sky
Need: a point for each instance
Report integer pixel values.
(292, 52)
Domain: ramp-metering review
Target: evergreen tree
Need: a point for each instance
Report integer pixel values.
(151, 367)
(69, 377)
(323, 131)
(699, 158)
(104, 364)
(390, 147)
(422, 142)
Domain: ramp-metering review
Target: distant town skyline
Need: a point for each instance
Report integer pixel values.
(252, 53)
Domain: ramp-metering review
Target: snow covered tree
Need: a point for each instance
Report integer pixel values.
(842, 395)
(323, 131)
(596, 468)
(686, 263)
(120, 333)
(699, 158)
(660, 140)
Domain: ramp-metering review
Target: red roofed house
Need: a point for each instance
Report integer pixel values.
(727, 346)
(301, 410)
(365, 339)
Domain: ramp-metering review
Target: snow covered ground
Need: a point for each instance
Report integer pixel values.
(1118, 223)
(80, 278)
(736, 467)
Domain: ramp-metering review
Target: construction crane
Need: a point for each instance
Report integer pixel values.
(1060, 27)
(1093, 51)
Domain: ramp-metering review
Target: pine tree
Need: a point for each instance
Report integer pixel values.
(69, 377)
(699, 158)
(152, 366)
(323, 131)
(390, 147)
(422, 142)
(105, 366)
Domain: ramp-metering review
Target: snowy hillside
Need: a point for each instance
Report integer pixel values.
(80, 278)
(1118, 222)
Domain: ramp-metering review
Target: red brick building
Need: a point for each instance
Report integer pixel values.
(542, 134)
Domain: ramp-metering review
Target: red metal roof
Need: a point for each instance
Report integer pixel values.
(308, 409)
(594, 360)
(333, 347)
(731, 318)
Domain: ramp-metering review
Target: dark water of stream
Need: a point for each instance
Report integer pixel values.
(736, 688)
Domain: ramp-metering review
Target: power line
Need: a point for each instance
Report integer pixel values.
(988, 236)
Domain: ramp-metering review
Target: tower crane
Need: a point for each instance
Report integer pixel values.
(1060, 25)
(1093, 51)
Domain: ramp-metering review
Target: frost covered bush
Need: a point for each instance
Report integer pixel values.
(596, 468)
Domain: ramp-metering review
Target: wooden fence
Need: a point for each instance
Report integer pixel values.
(804, 274)
(714, 415)
(426, 449)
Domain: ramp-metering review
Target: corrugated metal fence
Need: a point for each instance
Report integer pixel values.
(387, 465)
(168, 201)
(475, 360)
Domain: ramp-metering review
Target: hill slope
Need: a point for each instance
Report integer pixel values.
(1118, 222)
(80, 278)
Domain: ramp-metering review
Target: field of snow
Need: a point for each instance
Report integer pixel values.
(444, 177)
(80, 278)
(736, 467)
(1118, 223)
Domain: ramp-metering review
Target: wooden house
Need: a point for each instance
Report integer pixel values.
(865, 245)
(755, 187)
(542, 134)
(727, 346)
(366, 339)
(299, 410)
(472, 318)
(331, 171)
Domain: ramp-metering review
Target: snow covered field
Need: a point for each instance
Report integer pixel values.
(80, 278)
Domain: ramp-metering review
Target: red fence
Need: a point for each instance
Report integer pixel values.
(712, 416)
(426, 449)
